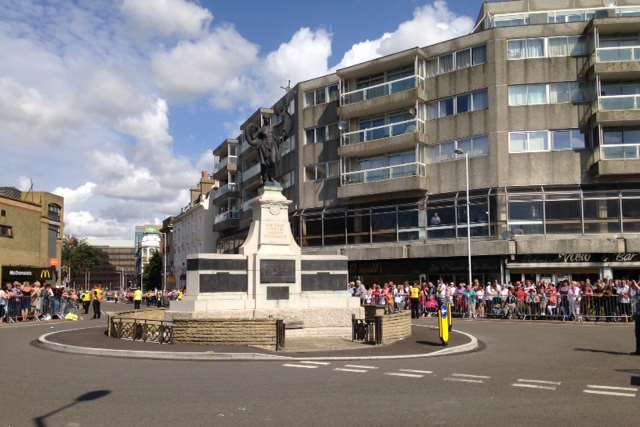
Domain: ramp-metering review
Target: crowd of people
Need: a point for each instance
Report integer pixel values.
(21, 302)
(610, 300)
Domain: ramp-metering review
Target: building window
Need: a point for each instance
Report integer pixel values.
(288, 145)
(620, 143)
(546, 47)
(544, 140)
(6, 231)
(288, 179)
(545, 93)
(3, 212)
(54, 212)
(476, 146)
(321, 95)
(456, 61)
(464, 103)
(321, 171)
(322, 134)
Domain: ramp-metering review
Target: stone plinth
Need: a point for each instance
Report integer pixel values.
(270, 278)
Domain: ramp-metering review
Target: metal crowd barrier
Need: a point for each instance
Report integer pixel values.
(538, 307)
(38, 308)
(158, 331)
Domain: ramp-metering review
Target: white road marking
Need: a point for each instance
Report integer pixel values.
(609, 393)
(400, 374)
(415, 371)
(484, 377)
(607, 387)
(521, 380)
(463, 380)
(360, 371)
(312, 362)
(292, 365)
(541, 387)
(361, 366)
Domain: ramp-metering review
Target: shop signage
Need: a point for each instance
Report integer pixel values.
(578, 257)
(12, 274)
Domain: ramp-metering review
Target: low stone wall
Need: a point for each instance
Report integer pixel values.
(396, 327)
(245, 332)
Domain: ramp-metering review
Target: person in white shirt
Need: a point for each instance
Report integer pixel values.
(574, 300)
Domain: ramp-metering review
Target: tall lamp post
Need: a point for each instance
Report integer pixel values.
(164, 262)
(466, 168)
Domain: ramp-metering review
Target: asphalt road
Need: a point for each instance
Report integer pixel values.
(526, 374)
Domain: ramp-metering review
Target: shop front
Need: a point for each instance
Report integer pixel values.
(29, 274)
(573, 266)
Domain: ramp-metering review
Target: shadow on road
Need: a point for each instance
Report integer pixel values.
(87, 397)
(594, 350)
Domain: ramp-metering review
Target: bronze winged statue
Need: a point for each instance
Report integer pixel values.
(267, 140)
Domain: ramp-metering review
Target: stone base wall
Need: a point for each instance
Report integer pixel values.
(396, 327)
(244, 332)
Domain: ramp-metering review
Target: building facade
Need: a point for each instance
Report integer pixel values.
(543, 97)
(119, 272)
(31, 230)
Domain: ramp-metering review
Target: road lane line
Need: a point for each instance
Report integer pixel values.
(311, 362)
(541, 387)
(522, 380)
(401, 374)
(361, 366)
(360, 371)
(463, 380)
(609, 393)
(607, 387)
(483, 377)
(415, 371)
(292, 365)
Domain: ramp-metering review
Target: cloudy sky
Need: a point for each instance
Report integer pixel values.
(116, 105)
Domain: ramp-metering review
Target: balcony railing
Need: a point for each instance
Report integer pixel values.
(384, 131)
(382, 89)
(617, 54)
(620, 152)
(251, 172)
(226, 215)
(619, 102)
(231, 186)
(229, 160)
(384, 173)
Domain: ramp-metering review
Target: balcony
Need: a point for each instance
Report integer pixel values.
(617, 62)
(400, 136)
(225, 220)
(223, 193)
(226, 164)
(382, 97)
(397, 179)
(618, 110)
(617, 159)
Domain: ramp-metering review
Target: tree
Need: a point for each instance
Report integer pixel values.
(80, 256)
(152, 274)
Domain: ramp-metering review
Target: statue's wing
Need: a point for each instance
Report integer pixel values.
(251, 134)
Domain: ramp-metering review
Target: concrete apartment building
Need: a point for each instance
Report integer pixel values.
(543, 96)
(31, 230)
(120, 268)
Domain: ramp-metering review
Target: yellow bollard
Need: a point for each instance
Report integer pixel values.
(443, 323)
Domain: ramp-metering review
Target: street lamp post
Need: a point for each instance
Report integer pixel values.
(164, 262)
(466, 168)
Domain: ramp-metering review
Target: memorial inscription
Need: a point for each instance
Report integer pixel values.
(277, 271)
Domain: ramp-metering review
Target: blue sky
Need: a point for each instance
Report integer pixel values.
(116, 104)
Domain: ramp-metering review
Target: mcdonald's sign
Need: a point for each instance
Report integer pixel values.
(21, 273)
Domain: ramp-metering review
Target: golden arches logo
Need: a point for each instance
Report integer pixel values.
(45, 275)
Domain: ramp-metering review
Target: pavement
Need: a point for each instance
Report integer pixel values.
(526, 374)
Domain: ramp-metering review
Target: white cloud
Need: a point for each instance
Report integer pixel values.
(196, 68)
(85, 224)
(431, 23)
(75, 196)
(166, 17)
(24, 183)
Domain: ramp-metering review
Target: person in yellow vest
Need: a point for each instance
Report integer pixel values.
(180, 295)
(414, 297)
(137, 298)
(86, 301)
(97, 297)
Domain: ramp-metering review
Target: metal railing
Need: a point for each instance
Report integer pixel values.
(229, 187)
(226, 215)
(280, 334)
(618, 53)
(367, 331)
(620, 151)
(225, 161)
(619, 102)
(539, 306)
(158, 331)
(384, 173)
(384, 131)
(24, 308)
(381, 89)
